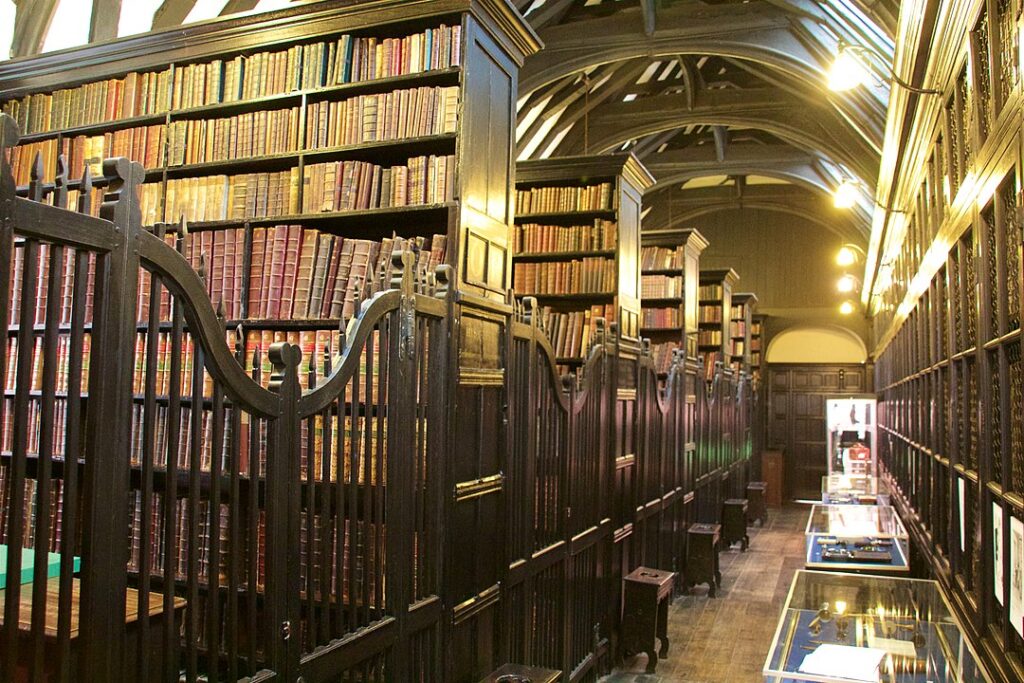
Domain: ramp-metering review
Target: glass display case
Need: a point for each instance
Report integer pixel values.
(849, 489)
(851, 439)
(837, 628)
(860, 538)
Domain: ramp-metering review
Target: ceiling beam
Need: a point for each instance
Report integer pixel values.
(815, 128)
(551, 12)
(106, 14)
(721, 134)
(172, 13)
(236, 6)
(650, 12)
(32, 19)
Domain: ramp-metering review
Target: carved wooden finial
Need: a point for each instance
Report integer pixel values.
(60, 183)
(402, 270)
(85, 192)
(182, 227)
(121, 203)
(645, 347)
(530, 310)
(35, 179)
(443, 273)
(201, 270)
(240, 343)
(285, 358)
(220, 309)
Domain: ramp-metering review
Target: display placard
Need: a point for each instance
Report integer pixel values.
(997, 552)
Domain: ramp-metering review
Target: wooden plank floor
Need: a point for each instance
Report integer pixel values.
(726, 639)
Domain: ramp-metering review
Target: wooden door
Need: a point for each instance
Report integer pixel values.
(796, 417)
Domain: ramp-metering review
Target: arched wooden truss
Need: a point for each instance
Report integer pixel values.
(697, 88)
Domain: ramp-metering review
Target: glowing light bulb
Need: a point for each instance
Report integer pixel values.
(840, 606)
(847, 72)
(846, 284)
(846, 308)
(846, 257)
(845, 195)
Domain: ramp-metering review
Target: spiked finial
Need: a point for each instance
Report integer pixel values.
(85, 192)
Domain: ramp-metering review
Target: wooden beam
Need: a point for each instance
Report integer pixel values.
(32, 20)
(106, 14)
(721, 134)
(236, 6)
(172, 13)
(650, 12)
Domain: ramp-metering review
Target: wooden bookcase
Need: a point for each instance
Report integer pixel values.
(601, 194)
(713, 316)
(466, 198)
(670, 271)
(740, 327)
(757, 325)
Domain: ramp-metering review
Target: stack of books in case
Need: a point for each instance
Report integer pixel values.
(571, 332)
(661, 286)
(591, 275)
(709, 313)
(662, 258)
(253, 134)
(532, 238)
(32, 507)
(347, 59)
(395, 115)
(565, 199)
(666, 318)
(144, 144)
(662, 355)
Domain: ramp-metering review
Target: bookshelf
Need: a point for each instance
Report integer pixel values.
(576, 245)
(740, 327)
(757, 325)
(669, 274)
(714, 300)
(302, 147)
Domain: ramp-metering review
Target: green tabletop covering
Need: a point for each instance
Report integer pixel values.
(28, 557)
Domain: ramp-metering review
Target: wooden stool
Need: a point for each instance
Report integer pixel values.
(757, 507)
(702, 556)
(646, 595)
(734, 523)
(520, 673)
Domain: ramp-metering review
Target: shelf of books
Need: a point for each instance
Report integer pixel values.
(757, 322)
(301, 147)
(576, 246)
(714, 300)
(669, 274)
(740, 324)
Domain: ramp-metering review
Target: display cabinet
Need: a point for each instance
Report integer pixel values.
(868, 538)
(740, 328)
(843, 627)
(845, 489)
(851, 439)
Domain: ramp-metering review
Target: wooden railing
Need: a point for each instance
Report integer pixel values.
(287, 515)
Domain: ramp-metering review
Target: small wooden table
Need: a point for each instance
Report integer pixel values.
(646, 596)
(702, 556)
(734, 523)
(520, 673)
(52, 660)
(757, 507)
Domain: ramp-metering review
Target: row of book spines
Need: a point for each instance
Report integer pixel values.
(571, 332)
(396, 115)
(662, 355)
(144, 144)
(253, 134)
(32, 508)
(583, 276)
(711, 358)
(37, 315)
(660, 286)
(709, 337)
(709, 313)
(63, 358)
(137, 94)
(219, 524)
(739, 347)
(358, 185)
(710, 292)
(738, 312)
(598, 197)
(242, 78)
(755, 344)
(532, 238)
(661, 257)
(661, 317)
(334, 186)
(737, 329)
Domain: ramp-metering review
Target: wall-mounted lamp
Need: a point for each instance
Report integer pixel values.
(847, 255)
(852, 67)
(845, 194)
(847, 283)
(847, 307)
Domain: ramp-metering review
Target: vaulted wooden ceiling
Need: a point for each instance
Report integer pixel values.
(731, 90)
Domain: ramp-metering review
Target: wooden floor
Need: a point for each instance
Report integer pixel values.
(725, 639)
